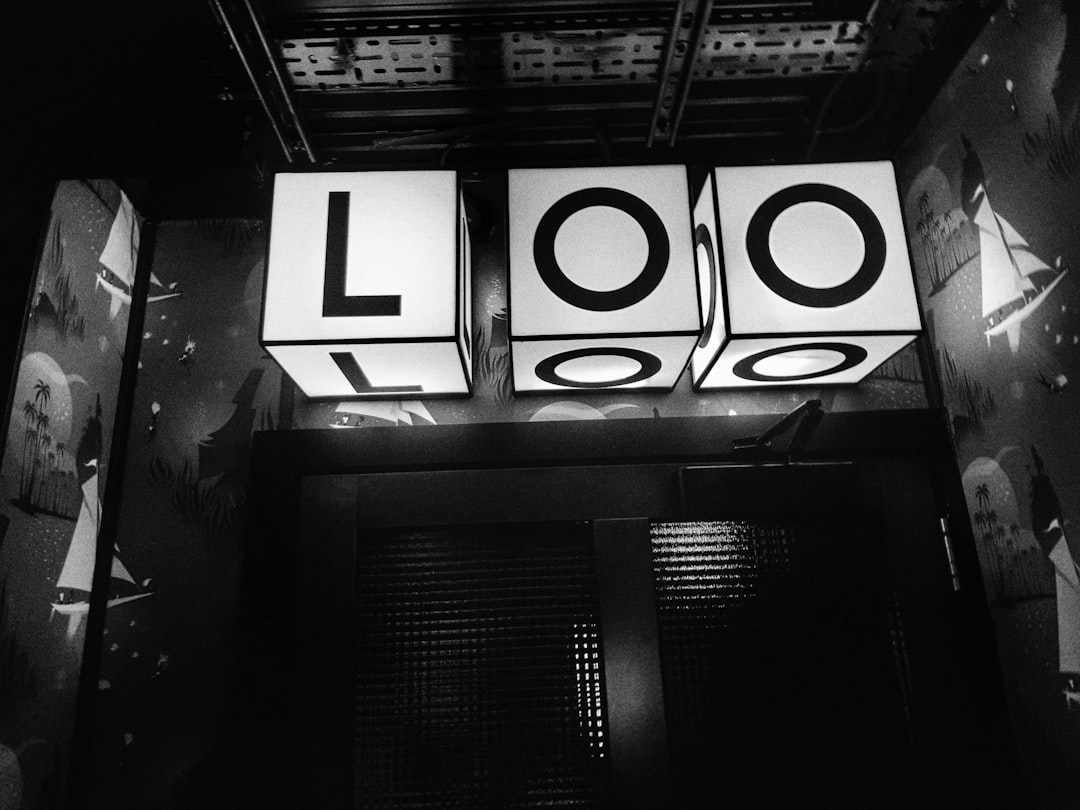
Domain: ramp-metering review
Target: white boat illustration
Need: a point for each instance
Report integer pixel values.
(77, 575)
(400, 412)
(117, 273)
(1009, 295)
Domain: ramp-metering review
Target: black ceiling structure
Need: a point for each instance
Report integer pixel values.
(550, 82)
(193, 105)
(126, 88)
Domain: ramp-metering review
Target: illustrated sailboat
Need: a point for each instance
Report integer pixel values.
(117, 273)
(76, 577)
(400, 412)
(1009, 293)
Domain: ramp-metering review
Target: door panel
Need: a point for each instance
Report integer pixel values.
(781, 680)
(809, 646)
(478, 677)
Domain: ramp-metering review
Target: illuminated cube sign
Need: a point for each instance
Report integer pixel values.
(368, 289)
(804, 275)
(602, 291)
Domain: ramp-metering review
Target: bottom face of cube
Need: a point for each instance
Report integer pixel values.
(795, 360)
(375, 370)
(601, 364)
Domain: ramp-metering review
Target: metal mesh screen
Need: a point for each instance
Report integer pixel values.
(782, 666)
(479, 682)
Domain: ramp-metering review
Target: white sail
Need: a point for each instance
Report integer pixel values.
(78, 570)
(1024, 259)
(416, 407)
(1002, 283)
(383, 409)
(1013, 238)
(122, 252)
(119, 571)
(391, 410)
(1068, 605)
(1027, 262)
(122, 247)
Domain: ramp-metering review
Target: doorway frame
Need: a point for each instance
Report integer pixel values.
(288, 464)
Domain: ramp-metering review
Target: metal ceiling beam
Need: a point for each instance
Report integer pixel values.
(244, 28)
(680, 55)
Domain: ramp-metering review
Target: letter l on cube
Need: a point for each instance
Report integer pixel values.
(368, 288)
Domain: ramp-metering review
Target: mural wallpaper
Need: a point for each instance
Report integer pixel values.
(55, 462)
(204, 386)
(991, 179)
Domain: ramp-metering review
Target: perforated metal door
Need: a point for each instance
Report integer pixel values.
(478, 674)
(782, 660)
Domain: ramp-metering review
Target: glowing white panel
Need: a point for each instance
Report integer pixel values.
(373, 370)
(809, 253)
(710, 278)
(600, 253)
(642, 364)
(377, 261)
(464, 300)
(787, 361)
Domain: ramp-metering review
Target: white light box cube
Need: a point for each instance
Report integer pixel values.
(368, 287)
(602, 291)
(804, 274)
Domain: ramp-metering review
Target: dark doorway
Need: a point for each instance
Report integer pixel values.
(675, 627)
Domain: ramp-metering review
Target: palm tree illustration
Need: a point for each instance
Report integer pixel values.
(60, 451)
(46, 446)
(42, 395)
(53, 469)
(30, 417)
(999, 534)
(982, 495)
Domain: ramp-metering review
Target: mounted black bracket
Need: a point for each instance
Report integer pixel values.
(807, 416)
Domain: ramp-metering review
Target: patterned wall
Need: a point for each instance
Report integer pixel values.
(991, 185)
(203, 387)
(55, 465)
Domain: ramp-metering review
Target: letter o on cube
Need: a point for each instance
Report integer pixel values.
(804, 274)
(602, 284)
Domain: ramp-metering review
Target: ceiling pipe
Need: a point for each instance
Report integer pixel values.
(276, 72)
(223, 18)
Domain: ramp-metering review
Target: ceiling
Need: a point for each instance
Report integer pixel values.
(122, 89)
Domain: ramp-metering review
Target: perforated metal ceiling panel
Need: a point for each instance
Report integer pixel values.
(455, 59)
(477, 83)
(545, 82)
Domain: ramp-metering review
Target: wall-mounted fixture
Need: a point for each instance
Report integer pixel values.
(804, 275)
(602, 291)
(368, 288)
